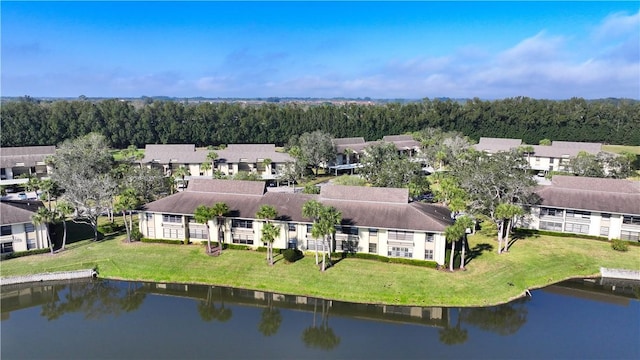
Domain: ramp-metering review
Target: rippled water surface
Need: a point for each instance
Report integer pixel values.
(120, 320)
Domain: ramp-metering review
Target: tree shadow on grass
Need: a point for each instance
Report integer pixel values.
(477, 251)
(521, 234)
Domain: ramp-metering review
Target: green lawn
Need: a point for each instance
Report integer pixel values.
(490, 279)
(618, 149)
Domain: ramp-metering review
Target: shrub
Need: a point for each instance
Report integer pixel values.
(18, 254)
(619, 245)
(109, 228)
(292, 255)
(161, 241)
(365, 256)
(237, 247)
(136, 235)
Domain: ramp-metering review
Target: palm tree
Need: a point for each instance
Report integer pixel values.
(453, 233)
(504, 213)
(44, 216)
(49, 187)
(204, 167)
(64, 209)
(269, 230)
(220, 210)
(181, 172)
(203, 215)
(465, 223)
(329, 218)
(126, 202)
(311, 209)
(212, 156)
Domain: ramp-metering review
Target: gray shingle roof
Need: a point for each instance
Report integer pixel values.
(374, 212)
(497, 144)
(252, 153)
(596, 194)
(364, 194)
(29, 155)
(174, 153)
(18, 211)
(218, 186)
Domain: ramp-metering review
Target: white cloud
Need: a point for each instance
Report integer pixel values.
(618, 24)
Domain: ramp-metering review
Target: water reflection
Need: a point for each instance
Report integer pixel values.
(283, 317)
(320, 336)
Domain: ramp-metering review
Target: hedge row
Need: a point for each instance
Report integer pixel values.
(18, 254)
(365, 256)
(161, 241)
(529, 232)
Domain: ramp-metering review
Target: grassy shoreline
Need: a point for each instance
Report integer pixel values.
(490, 279)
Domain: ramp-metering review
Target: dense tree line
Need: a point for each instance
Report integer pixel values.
(123, 123)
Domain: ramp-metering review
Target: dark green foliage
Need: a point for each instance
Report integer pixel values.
(311, 189)
(292, 255)
(162, 241)
(18, 254)
(165, 122)
(110, 228)
(413, 262)
(238, 247)
(136, 235)
(619, 245)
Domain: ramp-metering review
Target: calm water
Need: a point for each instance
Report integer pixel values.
(119, 320)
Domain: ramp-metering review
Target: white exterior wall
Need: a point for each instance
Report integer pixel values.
(543, 163)
(154, 226)
(18, 237)
(595, 222)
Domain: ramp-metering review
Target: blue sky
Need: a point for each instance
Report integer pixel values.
(413, 50)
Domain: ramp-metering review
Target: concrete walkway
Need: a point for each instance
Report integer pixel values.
(62, 275)
(620, 274)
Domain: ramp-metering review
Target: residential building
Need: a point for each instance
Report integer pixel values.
(592, 206)
(19, 233)
(554, 157)
(349, 150)
(377, 221)
(169, 157)
(18, 163)
(262, 159)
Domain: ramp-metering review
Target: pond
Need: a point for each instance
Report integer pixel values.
(576, 319)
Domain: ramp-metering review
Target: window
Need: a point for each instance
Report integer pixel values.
(630, 235)
(148, 216)
(243, 224)
(6, 247)
(151, 232)
(631, 220)
(547, 225)
(29, 228)
(604, 230)
(292, 227)
(430, 237)
(309, 226)
(428, 254)
(399, 251)
(171, 218)
(31, 244)
(400, 235)
(576, 228)
(373, 232)
(244, 239)
(169, 233)
(197, 233)
(373, 248)
(578, 214)
(605, 216)
(349, 230)
(550, 212)
(346, 245)
(6, 230)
